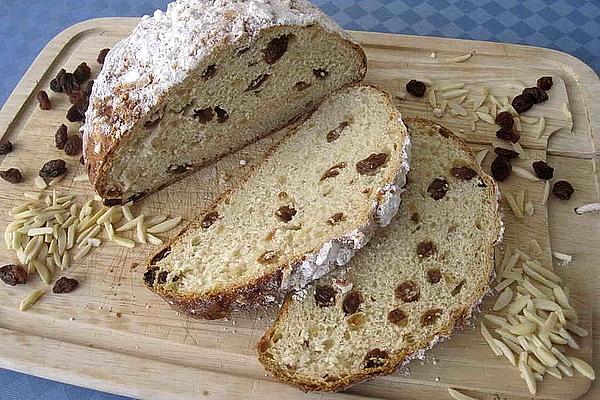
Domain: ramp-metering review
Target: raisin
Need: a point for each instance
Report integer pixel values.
(508, 135)
(82, 73)
(437, 189)
(150, 276)
(5, 147)
(263, 345)
(74, 115)
(301, 86)
(398, 317)
(333, 171)
(43, 100)
(321, 73)
(53, 168)
(335, 133)
(501, 168)
(209, 72)
(112, 202)
(210, 219)
(375, 358)
(543, 170)
(464, 173)
(415, 217)
(102, 56)
(268, 257)
(324, 296)
(82, 106)
(55, 85)
(408, 292)
(510, 154)
(522, 103)
(160, 255)
(335, 218)
(222, 114)
(61, 136)
(65, 285)
(545, 83)
(434, 275)
(426, 249)
(73, 146)
(352, 302)
(563, 190)
(88, 88)
(285, 213)
(11, 175)
(371, 164)
(536, 94)
(430, 317)
(457, 288)
(203, 115)
(276, 48)
(416, 88)
(162, 277)
(68, 83)
(177, 169)
(82, 160)
(13, 274)
(505, 120)
(136, 196)
(77, 97)
(257, 82)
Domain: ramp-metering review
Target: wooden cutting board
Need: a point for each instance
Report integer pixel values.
(114, 335)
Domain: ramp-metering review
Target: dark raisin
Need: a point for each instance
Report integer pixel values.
(150, 276)
(408, 292)
(74, 115)
(82, 106)
(522, 103)
(398, 317)
(222, 114)
(563, 190)
(508, 135)
(160, 255)
(333, 171)
(321, 73)
(268, 257)
(371, 164)
(177, 169)
(76, 97)
(136, 196)
(61, 136)
(210, 219)
(430, 317)
(536, 94)
(335, 218)
(543, 170)
(501, 168)
(55, 86)
(510, 154)
(276, 48)
(203, 115)
(505, 120)
(324, 296)
(426, 249)
(82, 160)
(13, 274)
(53, 168)
(335, 133)
(285, 213)
(11, 175)
(209, 72)
(416, 88)
(65, 285)
(82, 73)
(464, 173)
(162, 277)
(437, 189)
(68, 83)
(352, 302)
(88, 88)
(112, 202)
(257, 82)
(434, 275)
(73, 146)
(415, 217)
(102, 56)
(545, 83)
(5, 147)
(301, 86)
(375, 358)
(43, 100)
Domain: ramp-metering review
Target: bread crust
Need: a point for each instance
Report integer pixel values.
(267, 287)
(399, 359)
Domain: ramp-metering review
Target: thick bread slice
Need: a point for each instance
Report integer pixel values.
(203, 79)
(308, 206)
(415, 281)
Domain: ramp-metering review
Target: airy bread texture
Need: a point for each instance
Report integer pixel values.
(203, 79)
(415, 281)
(308, 206)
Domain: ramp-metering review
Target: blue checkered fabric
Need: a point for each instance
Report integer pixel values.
(572, 26)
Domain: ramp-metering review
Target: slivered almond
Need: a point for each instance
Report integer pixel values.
(525, 174)
(583, 368)
(503, 300)
(165, 226)
(506, 351)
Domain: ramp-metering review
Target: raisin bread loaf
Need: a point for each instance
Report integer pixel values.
(308, 206)
(203, 79)
(414, 282)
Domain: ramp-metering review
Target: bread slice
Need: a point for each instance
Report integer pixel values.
(308, 206)
(415, 281)
(203, 79)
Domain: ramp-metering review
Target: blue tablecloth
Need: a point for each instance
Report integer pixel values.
(572, 26)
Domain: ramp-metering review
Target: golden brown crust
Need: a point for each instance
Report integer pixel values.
(399, 359)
